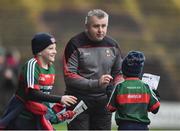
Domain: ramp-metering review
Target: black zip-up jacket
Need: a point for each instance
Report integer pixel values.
(85, 61)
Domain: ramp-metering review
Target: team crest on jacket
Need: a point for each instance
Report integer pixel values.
(108, 52)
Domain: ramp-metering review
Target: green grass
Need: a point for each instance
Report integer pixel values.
(63, 126)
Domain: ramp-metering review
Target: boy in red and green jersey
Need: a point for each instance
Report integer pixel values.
(132, 99)
(29, 108)
(36, 77)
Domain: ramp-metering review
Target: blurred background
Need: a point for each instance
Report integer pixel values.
(151, 26)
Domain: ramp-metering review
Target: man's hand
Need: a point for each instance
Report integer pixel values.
(105, 80)
(68, 100)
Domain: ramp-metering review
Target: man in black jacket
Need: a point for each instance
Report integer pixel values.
(92, 65)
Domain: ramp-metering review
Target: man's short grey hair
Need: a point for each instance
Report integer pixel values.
(95, 12)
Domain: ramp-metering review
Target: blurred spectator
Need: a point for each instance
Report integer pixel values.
(12, 68)
(2, 67)
(2, 64)
(9, 68)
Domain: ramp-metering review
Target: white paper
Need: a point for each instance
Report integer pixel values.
(81, 106)
(151, 80)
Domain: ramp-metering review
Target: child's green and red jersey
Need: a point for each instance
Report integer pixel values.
(34, 76)
(132, 100)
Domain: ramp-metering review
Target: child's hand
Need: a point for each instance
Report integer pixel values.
(67, 115)
(68, 100)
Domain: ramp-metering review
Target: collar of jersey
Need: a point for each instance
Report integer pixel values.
(132, 78)
(39, 62)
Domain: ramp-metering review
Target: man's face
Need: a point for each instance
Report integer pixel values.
(97, 28)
